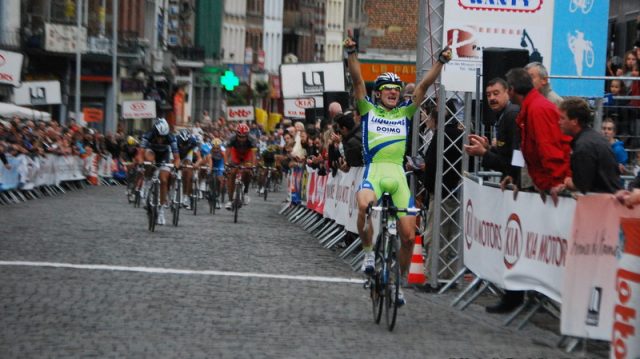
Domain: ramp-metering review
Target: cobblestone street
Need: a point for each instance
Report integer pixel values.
(82, 277)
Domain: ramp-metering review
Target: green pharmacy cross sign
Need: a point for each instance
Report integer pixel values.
(229, 80)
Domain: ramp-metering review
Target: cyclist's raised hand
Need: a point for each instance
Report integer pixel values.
(349, 43)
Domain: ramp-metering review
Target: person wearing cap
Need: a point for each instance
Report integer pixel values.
(386, 126)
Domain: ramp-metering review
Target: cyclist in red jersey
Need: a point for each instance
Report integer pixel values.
(241, 151)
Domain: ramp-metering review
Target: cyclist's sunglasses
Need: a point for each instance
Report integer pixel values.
(390, 87)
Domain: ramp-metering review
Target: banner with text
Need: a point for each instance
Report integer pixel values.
(470, 26)
(517, 244)
(590, 275)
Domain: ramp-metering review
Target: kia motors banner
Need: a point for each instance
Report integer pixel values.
(590, 284)
(304, 80)
(38, 93)
(10, 68)
(470, 26)
(240, 113)
(518, 244)
(294, 108)
(138, 109)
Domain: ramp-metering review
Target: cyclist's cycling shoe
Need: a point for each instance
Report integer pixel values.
(186, 202)
(228, 206)
(401, 300)
(245, 200)
(369, 263)
(218, 205)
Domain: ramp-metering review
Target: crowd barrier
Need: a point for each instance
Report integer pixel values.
(570, 253)
(31, 177)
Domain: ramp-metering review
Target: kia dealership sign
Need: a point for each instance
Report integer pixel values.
(138, 109)
(10, 68)
(240, 113)
(294, 108)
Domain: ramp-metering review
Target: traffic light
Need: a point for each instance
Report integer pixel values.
(229, 80)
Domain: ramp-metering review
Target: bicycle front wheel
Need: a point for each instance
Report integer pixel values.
(177, 202)
(237, 202)
(392, 287)
(152, 206)
(194, 196)
(265, 188)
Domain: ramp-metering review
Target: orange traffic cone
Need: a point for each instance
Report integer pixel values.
(416, 269)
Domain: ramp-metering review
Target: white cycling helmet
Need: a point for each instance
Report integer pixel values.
(161, 126)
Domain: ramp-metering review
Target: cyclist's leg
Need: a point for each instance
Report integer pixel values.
(187, 174)
(402, 198)
(364, 197)
(246, 179)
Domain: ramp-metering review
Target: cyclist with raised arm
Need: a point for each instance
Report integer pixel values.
(157, 146)
(385, 129)
(189, 149)
(241, 151)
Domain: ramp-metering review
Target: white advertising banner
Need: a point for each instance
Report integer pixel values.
(517, 244)
(590, 276)
(472, 25)
(294, 108)
(138, 109)
(304, 80)
(340, 198)
(62, 38)
(240, 113)
(38, 93)
(10, 68)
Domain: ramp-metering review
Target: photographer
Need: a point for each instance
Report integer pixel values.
(351, 133)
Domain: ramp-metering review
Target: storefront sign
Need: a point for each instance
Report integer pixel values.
(38, 93)
(91, 114)
(370, 71)
(294, 108)
(240, 113)
(138, 109)
(62, 38)
(10, 68)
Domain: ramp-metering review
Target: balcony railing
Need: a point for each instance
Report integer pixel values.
(188, 53)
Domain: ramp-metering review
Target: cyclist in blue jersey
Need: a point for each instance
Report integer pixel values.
(157, 146)
(385, 128)
(189, 149)
(217, 165)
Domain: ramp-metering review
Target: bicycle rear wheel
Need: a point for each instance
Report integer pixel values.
(392, 287)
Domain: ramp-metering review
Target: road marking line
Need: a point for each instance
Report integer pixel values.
(155, 270)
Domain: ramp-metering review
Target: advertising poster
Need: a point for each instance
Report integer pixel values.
(471, 25)
(579, 46)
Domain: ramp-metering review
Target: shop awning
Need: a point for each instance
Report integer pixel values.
(9, 111)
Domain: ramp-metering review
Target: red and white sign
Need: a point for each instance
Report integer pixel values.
(10, 68)
(590, 284)
(294, 108)
(240, 113)
(138, 109)
(518, 245)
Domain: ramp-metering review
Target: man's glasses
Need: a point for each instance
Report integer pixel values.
(390, 87)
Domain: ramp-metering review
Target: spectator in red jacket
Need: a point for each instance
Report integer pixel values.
(545, 149)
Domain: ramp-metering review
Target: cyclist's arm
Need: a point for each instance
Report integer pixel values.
(427, 80)
(359, 89)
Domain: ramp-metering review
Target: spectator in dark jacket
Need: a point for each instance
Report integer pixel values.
(498, 157)
(593, 165)
(351, 133)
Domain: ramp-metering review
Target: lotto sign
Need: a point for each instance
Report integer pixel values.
(138, 109)
(240, 113)
(472, 25)
(10, 68)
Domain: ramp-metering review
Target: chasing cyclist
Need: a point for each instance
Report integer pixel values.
(268, 157)
(157, 146)
(240, 151)
(189, 149)
(218, 163)
(385, 127)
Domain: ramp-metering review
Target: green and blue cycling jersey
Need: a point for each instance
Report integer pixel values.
(384, 141)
